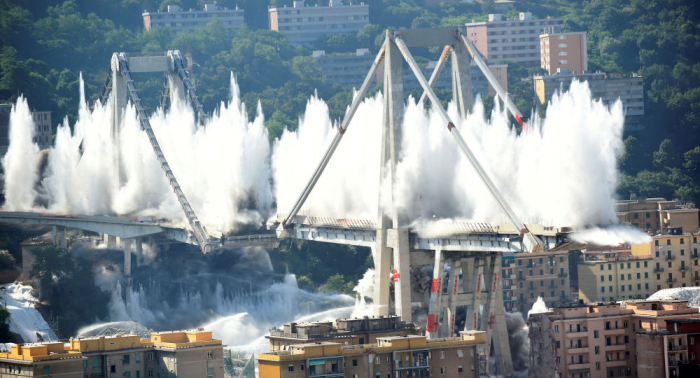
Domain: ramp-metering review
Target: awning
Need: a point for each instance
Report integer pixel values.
(318, 361)
(580, 371)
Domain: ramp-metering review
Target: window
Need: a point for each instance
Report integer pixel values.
(597, 365)
(622, 277)
(646, 274)
(137, 358)
(558, 345)
(556, 328)
(290, 368)
(668, 241)
(47, 370)
(597, 350)
(96, 361)
(610, 278)
(113, 369)
(459, 369)
(595, 334)
(602, 289)
(302, 367)
(85, 363)
(354, 362)
(645, 264)
(150, 356)
(127, 374)
(602, 267)
(442, 370)
(442, 354)
(602, 278)
(210, 371)
(210, 356)
(126, 359)
(692, 340)
(656, 243)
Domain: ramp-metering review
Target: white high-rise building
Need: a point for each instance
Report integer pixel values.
(304, 24)
(177, 19)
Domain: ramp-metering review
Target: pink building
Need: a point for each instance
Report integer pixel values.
(598, 340)
(563, 52)
(517, 40)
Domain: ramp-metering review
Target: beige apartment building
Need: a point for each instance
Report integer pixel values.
(49, 359)
(529, 275)
(636, 272)
(363, 330)
(511, 39)
(658, 215)
(605, 87)
(177, 19)
(563, 52)
(390, 357)
(597, 341)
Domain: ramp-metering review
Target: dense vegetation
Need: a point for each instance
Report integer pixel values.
(67, 285)
(45, 44)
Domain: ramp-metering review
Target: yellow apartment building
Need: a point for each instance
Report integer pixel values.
(49, 359)
(638, 271)
(392, 357)
(190, 354)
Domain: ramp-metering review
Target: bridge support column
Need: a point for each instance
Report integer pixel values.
(448, 326)
(138, 250)
(435, 294)
(55, 235)
(382, 266)
(111, 241)
(462, 92)
(127, 257)
(63, 237)
(177, 88)
(398, 239)
(119, 94)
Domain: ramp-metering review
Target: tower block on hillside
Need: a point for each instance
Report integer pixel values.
(475, 257)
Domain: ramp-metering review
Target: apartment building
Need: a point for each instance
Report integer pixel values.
(670, 352)
(563, 52)
(530, 275)
(305, 24)
(480, 84)
(348, 70)
(390, 356)
(668, 261)
(192, 353)
(615, 274)
(658, 215)
(43, 135)
(41, 360)
(590, 341)
(675, 259)
(605, 87)
(517, 40)
(355, 331)
(177, 19)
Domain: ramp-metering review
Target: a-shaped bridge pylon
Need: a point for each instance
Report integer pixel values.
(482, 292)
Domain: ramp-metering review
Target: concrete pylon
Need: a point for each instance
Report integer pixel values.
(119, 94)
(462, 90)
(176, 87)
(127, 256)
(138, 250)
(391, 239)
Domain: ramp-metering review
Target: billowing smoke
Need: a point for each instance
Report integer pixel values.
(519, 343)
(222, 166)
(539, 172)
(611, 235)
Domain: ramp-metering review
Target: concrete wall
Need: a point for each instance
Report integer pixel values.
(650, 356)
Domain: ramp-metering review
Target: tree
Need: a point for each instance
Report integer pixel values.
(336, 285)
(666, 155)
(631, 159)
(6, 260)
(4, 325)
(692, 160)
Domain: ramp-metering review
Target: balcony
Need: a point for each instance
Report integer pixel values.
(658, 270)
(669, 258)
(676, 362)
(614, 331)
(563, 275)
(615, 347)
(617, 363)
(584, 365)
(684, 268)
(578, 350)
(583, 332)
(671, 281)
(531, 265)
(677, 348)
